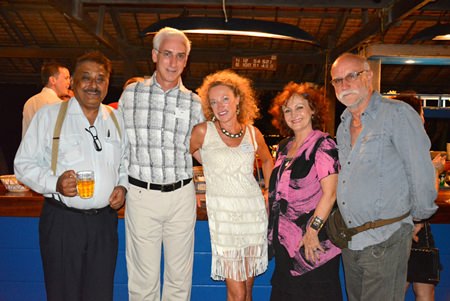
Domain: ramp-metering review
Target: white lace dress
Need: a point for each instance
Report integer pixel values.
(236, 211)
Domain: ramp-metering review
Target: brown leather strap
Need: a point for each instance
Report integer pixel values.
(378, 223)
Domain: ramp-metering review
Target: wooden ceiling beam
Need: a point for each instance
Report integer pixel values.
(197, 55)
(262, 3)
(74, 11)
(400, 10)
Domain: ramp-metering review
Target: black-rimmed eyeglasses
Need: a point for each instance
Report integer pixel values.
(93, 131)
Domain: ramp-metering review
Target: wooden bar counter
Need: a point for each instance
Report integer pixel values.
(29, 204)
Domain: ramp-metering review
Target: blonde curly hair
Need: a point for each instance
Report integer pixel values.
(241, 86)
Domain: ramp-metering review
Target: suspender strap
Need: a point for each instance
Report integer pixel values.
(114, 119)
(57, 132)
(58, 126)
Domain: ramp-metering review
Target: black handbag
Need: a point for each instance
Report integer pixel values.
(424, 264)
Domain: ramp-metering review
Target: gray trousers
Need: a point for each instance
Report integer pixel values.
(378, 272)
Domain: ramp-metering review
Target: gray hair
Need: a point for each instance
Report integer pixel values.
(168, 32)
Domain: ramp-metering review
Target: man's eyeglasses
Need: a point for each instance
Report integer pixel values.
(93, 131)
(169, 55)
(351, 77)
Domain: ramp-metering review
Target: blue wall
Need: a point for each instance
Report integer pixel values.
(21, 277)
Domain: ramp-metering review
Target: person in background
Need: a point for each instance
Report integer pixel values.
(78, 237)
(56, 80)
(302, 193)
(159, 115)
(386, 173)
(227, 146)
(422, 236)
(131, 80)
(67, 96)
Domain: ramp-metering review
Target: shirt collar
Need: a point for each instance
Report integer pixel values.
(179, 86)
(371, 109)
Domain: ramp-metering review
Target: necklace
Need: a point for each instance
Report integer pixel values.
(287, 160)
(228, 134)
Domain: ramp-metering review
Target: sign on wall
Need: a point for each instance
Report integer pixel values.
(268, 62)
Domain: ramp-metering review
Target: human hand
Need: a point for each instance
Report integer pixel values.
(439, 163)
(67, 183)
(312, 245)
(417, 228)
(117, 197)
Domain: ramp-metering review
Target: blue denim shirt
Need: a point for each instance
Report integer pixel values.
(387, 173)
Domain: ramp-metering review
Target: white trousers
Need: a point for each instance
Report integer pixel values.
(155, 219)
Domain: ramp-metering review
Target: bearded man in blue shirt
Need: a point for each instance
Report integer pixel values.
(386, 173)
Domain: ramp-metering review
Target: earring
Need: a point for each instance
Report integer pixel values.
(238, 110)
(213, 118)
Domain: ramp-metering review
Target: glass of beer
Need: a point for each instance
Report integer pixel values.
(85, 184)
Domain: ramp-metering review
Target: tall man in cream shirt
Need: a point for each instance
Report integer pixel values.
(56, 80)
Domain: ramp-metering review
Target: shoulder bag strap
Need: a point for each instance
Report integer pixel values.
(377, 223)
(255, 146)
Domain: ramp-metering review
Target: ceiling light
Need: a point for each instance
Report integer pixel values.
(438, 31)
(234, 26)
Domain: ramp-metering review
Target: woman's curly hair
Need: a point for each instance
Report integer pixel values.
(316, 100)
(241, 86)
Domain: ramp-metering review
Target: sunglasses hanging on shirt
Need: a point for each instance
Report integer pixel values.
(93, 131)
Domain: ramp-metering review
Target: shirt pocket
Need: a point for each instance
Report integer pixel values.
(71, 151)
(370, 147)
(112, 152)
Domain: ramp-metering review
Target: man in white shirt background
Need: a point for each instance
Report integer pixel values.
(56, 80)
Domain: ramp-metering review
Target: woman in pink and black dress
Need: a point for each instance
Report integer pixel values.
(302, 192)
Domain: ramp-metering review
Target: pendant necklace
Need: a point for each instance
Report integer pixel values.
(287, 161)
(231, 135)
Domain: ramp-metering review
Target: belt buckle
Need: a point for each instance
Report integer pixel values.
(168, 187)
(92, 212)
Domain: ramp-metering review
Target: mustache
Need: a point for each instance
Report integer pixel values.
(347, 92)
(97, 91)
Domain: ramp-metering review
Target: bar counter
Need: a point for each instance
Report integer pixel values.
(21, 275)
(29, 204)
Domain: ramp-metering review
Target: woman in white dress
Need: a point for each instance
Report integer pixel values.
(237, 210)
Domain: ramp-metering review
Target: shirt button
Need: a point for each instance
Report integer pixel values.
(343, 182)
(349, 222)
(343, 203)
(348, 162)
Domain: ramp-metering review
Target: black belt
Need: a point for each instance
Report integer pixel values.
(162, 188)
(58, 204)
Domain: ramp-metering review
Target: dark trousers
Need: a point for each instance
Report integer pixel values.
(78, 253)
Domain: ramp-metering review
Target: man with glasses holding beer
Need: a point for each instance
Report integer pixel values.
(78, 228)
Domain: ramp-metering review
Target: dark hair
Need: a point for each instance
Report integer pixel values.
(96, 57)
(411, 99)
(316, 101)
(50, 69)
